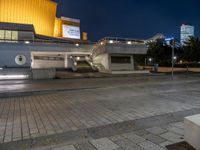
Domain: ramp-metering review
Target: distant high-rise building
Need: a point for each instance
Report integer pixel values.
(187, 31)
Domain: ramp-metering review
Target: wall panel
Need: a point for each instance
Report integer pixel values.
(40, 13)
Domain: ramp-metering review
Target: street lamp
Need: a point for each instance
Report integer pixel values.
(175, 57)
(150, 59)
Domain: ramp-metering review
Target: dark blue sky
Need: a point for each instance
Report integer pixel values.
(131, 18)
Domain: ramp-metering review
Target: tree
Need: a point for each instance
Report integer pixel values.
(191, 50)
(160, 52)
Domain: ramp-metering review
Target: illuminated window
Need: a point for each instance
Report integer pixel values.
(2, 37)
(15, 35)
(8, 35)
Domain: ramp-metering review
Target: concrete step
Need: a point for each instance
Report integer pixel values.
(131, 72)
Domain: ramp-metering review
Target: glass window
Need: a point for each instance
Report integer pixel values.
(15, 35)
(2, 37)
(120, 59)
(8, 35)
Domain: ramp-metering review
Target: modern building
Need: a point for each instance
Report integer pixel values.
(32, 37)
(115, 55)
(187, 31)
(42, 15)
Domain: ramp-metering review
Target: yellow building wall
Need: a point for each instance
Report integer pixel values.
(40, 13)
(58, 28)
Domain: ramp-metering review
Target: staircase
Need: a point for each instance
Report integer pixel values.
(84, 67)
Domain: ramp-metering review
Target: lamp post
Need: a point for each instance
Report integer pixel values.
(145, 63)
(169, 40)
(173, 47)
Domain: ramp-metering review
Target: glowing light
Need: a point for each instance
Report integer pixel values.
(169, 39)
(175, 57)
(4, 77)
(102, 43)
(111, 41)
(150, 59)
(27, 42)
(77, 44)
(129, 42)
(78, 58)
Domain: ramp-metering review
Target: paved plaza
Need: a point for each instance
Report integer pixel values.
(105, 113)
(155, 138)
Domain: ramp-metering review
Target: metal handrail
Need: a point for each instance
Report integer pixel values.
(35, 41)
(118, 40)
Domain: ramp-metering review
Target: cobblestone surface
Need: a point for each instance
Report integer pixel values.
(50, 114)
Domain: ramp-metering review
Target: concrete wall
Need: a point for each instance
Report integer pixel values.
(8, 54)
(69, 63)
(120, 49)
(121, 67)
(103, 59)
(192, 130)
(126, 49)
(48, 64)
(8, 51)
(43, 74)
(38, 60)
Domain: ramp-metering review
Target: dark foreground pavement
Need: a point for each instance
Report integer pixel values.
(141, 112)
(9, 88)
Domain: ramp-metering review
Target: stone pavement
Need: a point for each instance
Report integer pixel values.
(73, 113)
(11, 88)
(155, 138)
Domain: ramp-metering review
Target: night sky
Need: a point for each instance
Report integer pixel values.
(132, 18)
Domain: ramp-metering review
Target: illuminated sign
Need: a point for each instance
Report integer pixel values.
(72, 32)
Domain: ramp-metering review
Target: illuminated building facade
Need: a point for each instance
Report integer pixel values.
(187, 31)
(67, 28)
(31, 36)
(42, 15)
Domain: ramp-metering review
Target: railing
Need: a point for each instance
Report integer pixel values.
(106, 40)
(39, 41)
(117, 40)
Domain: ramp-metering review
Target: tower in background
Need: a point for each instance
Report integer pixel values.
(187, 31)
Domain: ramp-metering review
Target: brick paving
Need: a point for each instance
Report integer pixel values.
(136, 140)
(29, 117)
